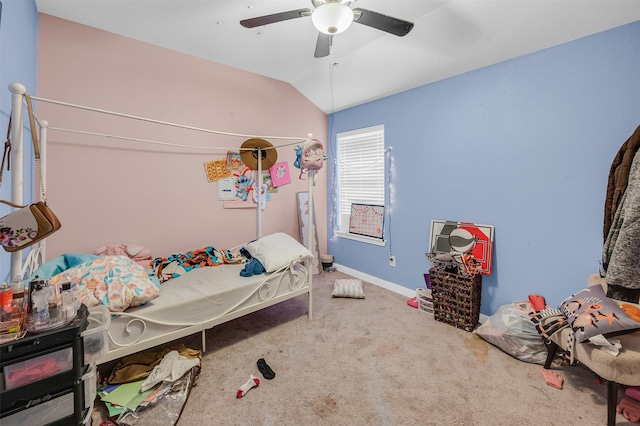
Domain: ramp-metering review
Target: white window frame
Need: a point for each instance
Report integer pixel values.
(360, 156)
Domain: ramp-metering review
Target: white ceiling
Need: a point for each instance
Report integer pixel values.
(449, 37)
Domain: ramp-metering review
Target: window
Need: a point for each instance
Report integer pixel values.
(360, 171)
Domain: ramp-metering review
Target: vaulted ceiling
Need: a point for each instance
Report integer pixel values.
(449, 37)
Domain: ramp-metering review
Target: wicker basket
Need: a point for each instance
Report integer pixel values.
(456, 298)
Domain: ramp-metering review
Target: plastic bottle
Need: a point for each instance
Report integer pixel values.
(52, 303)
(39, 306)
(68, 304)
(33, 284)
(75, 291)
(66, 279)
(19, 292)
(6, 302)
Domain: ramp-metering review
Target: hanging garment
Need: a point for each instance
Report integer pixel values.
(623, 267)
(618, 178)
(610, 242)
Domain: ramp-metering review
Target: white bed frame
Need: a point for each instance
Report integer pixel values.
(129, 326)
(262, 298)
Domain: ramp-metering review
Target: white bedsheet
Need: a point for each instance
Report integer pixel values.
(196, 300)
(201, 293)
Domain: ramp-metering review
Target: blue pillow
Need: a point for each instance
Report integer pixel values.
(60, 264)
(74, 259)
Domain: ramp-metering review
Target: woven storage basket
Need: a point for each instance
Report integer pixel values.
(456, 298)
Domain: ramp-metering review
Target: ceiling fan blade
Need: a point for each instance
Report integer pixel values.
(382, 22)
(276, 17)
(323, 45)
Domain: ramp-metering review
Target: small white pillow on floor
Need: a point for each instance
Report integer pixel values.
(348, 288)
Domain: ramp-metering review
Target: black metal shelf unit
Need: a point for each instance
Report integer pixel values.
(49, 388)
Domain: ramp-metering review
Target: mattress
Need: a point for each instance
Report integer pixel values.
(201, 299)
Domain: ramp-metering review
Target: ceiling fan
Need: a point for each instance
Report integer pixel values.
(331, 17)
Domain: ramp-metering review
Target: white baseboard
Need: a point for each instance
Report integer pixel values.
(404, 291)
(377, 281)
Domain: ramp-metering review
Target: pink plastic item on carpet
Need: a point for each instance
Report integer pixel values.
(633, 392)
(629, 409)
(552, 378)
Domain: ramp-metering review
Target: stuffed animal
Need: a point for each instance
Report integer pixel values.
(254, 267)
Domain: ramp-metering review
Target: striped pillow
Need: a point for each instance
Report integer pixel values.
(348, 288)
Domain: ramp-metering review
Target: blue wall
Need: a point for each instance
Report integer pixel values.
(525, 145)
(18, 53)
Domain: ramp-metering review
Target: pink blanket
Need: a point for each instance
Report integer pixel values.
(134, 252)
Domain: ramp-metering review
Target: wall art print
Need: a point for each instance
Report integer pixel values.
(216, 170)
(280, 174)
(243, 186)
(465, 243)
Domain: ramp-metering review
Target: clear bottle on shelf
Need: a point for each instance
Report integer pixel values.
(68, 302)
(19, 295)
(52, 303)
(75, 290)
(39, 318)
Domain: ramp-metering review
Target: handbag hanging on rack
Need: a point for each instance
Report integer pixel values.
(32, 223)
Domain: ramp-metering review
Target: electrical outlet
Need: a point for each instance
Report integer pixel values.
(392, 261)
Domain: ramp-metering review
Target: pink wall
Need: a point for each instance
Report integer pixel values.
(108, 190)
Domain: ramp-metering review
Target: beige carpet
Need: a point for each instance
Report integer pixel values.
(376, 361)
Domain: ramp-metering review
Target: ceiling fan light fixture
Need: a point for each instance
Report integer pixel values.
(332, 18)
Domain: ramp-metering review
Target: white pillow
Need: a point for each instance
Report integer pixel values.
(351, 288)
(277, 250)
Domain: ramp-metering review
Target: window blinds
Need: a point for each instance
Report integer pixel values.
(360, 168)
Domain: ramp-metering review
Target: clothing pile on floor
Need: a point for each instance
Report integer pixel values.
(153, 384)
